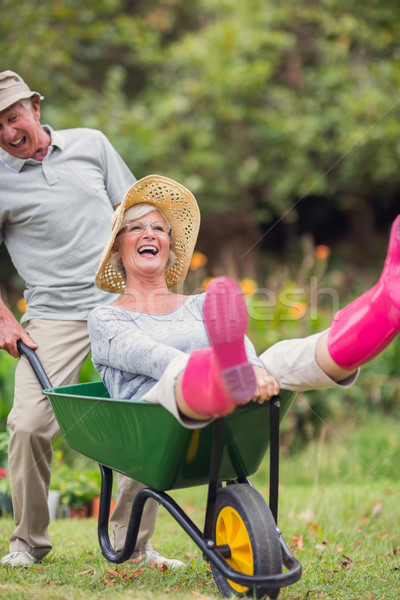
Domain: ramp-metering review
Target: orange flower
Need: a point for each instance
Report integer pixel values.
(248, 286)
(298, 310)
(198, 260)
(322, 252)
(206, 282)
(21, 305)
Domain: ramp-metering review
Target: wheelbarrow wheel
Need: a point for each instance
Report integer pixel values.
(244, 523)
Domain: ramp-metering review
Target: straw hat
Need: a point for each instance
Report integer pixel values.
(179, 207)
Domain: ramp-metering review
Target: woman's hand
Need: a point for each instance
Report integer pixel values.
(267, 386)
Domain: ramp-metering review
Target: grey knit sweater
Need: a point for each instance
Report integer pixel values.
(131, 349)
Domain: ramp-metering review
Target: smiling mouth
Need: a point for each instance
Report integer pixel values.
(18, 142)
(148, 250)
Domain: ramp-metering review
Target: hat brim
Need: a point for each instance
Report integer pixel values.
(17, 96)
(179, 207)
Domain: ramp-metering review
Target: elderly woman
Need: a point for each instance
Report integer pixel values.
(190, 353)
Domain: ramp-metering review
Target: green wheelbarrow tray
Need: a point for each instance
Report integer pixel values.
(145, 442)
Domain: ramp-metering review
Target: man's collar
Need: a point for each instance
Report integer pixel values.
(16, 164)
(57, 139)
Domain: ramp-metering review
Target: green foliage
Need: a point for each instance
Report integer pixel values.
(6, 507)
(88, 372)
(5, 487)
(4, 441)
(7, 368)
(77, 487)
(254, 104)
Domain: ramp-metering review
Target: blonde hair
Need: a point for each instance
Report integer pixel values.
(133, 213)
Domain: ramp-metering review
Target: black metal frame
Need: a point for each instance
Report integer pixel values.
(204, 541)
(35, 364)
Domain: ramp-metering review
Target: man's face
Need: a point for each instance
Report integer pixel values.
(21, 134)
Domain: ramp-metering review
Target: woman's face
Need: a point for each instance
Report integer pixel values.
(144, 245)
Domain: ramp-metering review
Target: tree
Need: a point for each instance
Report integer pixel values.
(254, 106)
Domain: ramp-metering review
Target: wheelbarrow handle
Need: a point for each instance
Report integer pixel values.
(35, 364)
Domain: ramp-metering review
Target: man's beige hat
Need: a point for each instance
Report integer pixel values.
(179, 207)
(13, 88)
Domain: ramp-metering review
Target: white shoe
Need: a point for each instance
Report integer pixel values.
(151, 556)
(18, 559)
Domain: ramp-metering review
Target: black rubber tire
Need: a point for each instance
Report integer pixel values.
(249, 508)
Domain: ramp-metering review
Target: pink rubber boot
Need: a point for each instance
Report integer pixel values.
(219, 377)
(364, 328)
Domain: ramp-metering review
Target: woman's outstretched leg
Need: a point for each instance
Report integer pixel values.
(365, 327)
(217, 378)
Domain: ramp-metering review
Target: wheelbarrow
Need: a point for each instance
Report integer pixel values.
(240, 540)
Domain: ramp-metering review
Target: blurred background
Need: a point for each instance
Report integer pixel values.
(281, 117)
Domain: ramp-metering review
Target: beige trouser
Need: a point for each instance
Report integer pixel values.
(63, 347)
(292, 362)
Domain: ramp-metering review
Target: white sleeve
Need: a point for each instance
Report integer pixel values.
(293, 363)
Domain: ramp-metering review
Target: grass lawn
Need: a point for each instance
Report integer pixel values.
(339, 512)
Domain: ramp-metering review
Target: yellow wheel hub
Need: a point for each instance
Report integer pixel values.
(231, 530)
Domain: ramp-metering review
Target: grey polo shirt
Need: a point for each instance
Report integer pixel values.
(55, 219)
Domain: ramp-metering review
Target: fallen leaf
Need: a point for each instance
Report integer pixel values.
(112, 572)
(377, 508)
(297, 541)
(161, 567)
(135, 574)
(188, 508)
(347, 558)
(345, 563)
(306, 516)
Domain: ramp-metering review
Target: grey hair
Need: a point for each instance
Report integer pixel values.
(133, 213)
(26, 103)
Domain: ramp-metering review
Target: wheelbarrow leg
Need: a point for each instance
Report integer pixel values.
(135, 518)
(274, 456)
(103, 521)
(213, 486)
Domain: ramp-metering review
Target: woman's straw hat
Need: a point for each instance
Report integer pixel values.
(179, 207)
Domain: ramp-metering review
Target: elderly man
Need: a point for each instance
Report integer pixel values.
(57, 194)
